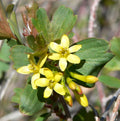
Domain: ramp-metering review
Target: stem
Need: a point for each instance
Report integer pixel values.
(68, 116)
(110, 104)
(101, 94)
(92, 18)
(96, 113)
(115, 109)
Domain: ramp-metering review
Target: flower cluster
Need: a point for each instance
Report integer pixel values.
(53, 80)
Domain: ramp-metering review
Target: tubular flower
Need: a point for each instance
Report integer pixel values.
(51, 83)
(68, 97)
(64, 52)
(36, 69)
(82, 99)
(87, 79)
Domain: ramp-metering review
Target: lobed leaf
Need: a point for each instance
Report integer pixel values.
(62, 22)
(29, 103)
(12, 42)
(3, 67)
(5, 52)
(19, 55)
(93, 55)
(4, 58)
(16, 97)
(41, 23)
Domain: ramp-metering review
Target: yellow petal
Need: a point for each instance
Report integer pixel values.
(42, 82)
(43, 61)
(74, 48)
(34, 86)
(33, 80)
(62, 64)
(59, 89)
(35, 76)
(54, 56)
(58, 77)
(48, 73)
(47, 92)
(54, 46)
(73, 59)
(25, 69)
(65, 41)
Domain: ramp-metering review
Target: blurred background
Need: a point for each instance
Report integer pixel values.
(107, 25)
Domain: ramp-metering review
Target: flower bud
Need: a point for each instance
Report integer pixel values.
(68, 99)
(82, 99)
(87, 79)
(78, 90)
(71, 84)
(91, 79)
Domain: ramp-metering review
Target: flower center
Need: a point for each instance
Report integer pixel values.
(51, 84)
(33, 68)
(64, 52)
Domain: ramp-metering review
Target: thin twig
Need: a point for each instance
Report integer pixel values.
(115, 109)
(101, 95)
(110, 104)
(4, 89)
(65, 108)
(12, 116)
(92, 18)
(95, 112)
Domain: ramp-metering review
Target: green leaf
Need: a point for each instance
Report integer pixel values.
(12, 42)
(19, 55)
(9, 9)
(4, 58)
(3, 67)
(84, 83)
(110, 81)
(62, 22)
(84, 115)
(14, 25)
(29, 103)
(31, 42)
(40, 119)
(115, 46)
(113, 64)
(43, 117)
(41, 23)
(16, 97)
(93, 55)
(4, 52)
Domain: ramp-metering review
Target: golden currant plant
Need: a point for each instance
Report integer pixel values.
(55, 66)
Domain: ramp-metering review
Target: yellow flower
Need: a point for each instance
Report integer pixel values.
(63, 52)
(51, 83)
(36, 69)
